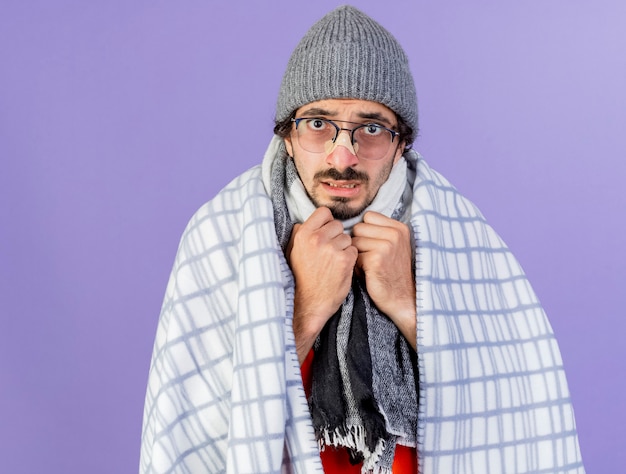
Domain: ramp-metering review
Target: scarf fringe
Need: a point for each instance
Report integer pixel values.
(378, 470)
(353, 437)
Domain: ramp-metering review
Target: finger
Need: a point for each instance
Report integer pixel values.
(374, 231)
(376, 218)
(366, 244)
(381, 227)
(380, 220)
(342, 241)
(320, 216)
(367, 230)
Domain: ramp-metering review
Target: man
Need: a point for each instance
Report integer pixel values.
(343, 261)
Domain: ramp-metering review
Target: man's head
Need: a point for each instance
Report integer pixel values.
(346, 72)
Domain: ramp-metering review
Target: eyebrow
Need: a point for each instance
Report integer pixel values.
(375, 116)
(319, 112)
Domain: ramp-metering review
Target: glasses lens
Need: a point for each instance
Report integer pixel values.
(373, 140)
(314, 135)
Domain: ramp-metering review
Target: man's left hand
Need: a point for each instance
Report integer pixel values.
(385, 258)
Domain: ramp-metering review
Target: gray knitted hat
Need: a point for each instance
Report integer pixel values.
(347, 54)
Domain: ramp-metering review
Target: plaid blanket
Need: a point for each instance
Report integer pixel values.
(224, 391)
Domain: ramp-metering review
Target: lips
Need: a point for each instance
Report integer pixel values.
(339, 185)
(341, 188)
(345, 184)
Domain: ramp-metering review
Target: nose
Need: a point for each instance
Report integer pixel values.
(342, 154)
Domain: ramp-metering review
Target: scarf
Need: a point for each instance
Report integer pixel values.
(364, 373)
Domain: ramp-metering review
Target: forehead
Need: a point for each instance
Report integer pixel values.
(347, 109)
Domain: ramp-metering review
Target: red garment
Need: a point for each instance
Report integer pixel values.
(337, 461)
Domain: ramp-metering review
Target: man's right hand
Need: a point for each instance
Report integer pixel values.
(322, 260)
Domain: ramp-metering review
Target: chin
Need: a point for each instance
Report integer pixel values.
(342, 210)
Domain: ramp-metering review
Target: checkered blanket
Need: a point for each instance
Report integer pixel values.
(224, 391)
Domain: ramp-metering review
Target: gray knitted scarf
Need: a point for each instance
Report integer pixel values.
(364, 373)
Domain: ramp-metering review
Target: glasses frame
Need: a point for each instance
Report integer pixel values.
(339, 129)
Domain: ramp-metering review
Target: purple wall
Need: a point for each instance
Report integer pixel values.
(118, 119)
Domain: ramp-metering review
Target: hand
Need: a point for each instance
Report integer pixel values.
(322, 260)
(385, 258)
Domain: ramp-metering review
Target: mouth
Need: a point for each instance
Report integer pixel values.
(345, 186)
(337, 185)
(342, 189)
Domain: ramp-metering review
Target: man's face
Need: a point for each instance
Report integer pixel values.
(337, 178)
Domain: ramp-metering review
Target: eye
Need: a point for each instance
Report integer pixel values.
(372, 129)
(316, 124)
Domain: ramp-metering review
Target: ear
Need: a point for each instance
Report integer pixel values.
(288, 145)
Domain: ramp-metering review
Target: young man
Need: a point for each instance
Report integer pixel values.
(343, 298)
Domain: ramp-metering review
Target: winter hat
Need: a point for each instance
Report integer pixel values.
(347, 54)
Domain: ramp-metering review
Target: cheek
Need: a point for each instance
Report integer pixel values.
(303, 173)
(382, 174)
(288, 146)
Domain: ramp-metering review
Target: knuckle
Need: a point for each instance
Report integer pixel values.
(388, 246)
(348, 256)
(336, 226)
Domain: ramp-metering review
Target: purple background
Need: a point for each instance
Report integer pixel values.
(118, 119)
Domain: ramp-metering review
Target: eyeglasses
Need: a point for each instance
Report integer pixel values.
(369, 140)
